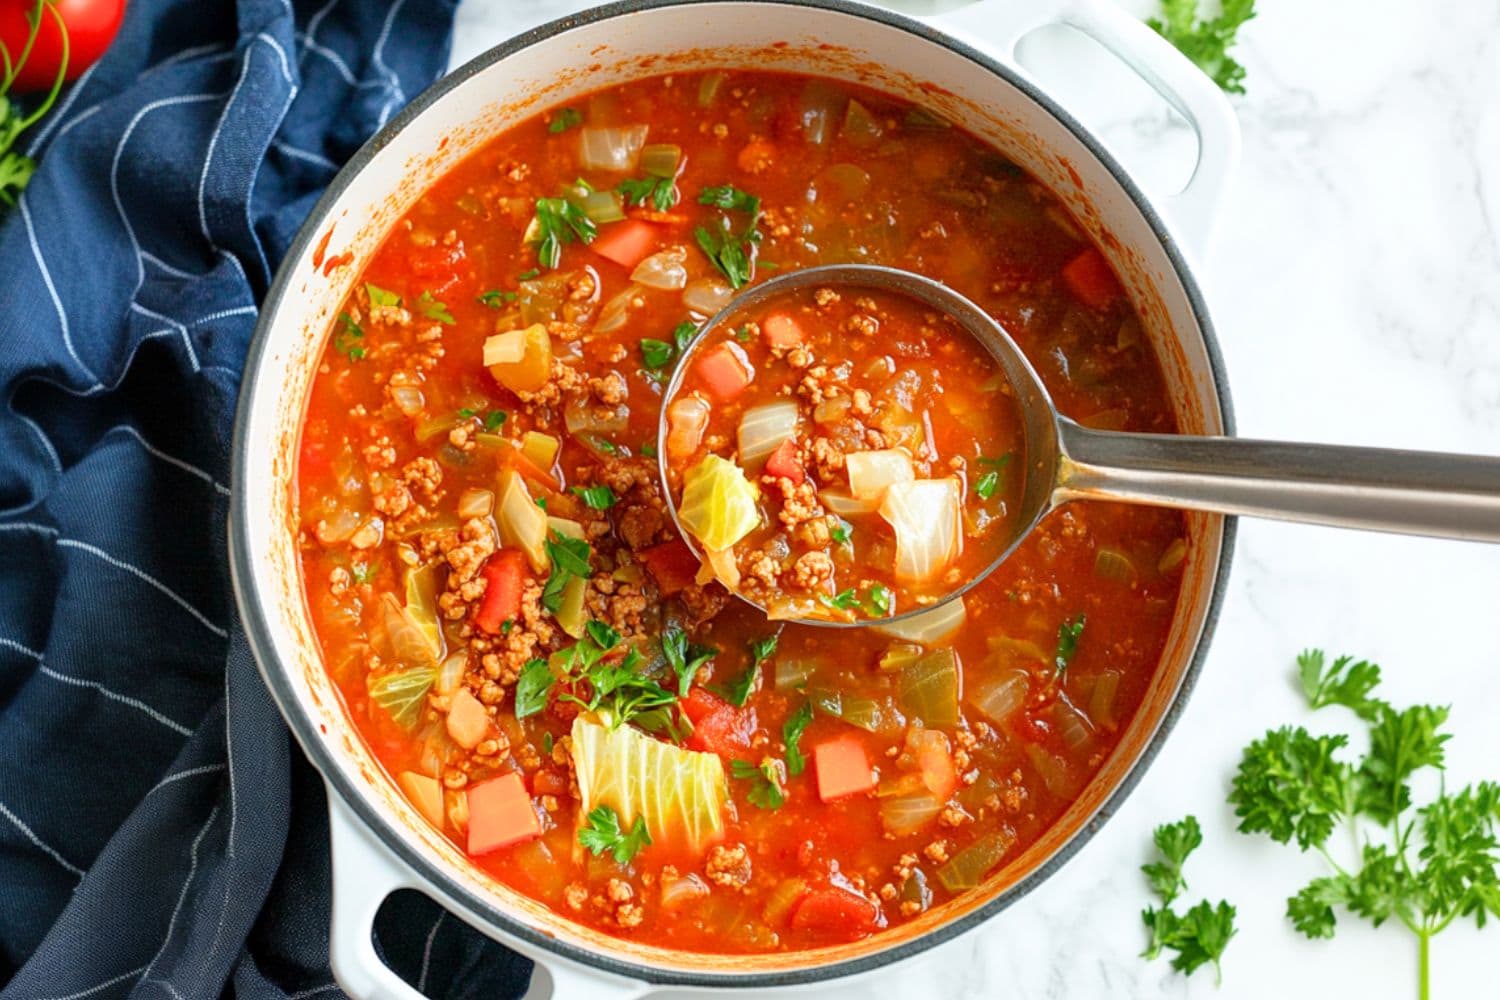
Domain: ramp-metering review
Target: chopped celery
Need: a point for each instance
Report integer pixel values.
(718, 503)
(857, 710)
(661, 159)
(604, 206)
(1102, 699)
(708, 89)
(929, 626)
(928, 688)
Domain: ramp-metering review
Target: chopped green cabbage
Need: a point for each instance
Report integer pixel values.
(718, 503)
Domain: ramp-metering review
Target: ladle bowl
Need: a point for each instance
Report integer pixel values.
(1409, 492)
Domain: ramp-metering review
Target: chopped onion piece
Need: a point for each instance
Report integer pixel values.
(871, 472)
(924, 513)
(763, 428)
(665, 269)
(928, 688)
(615, 149)
(1000, 698)
(661, 159)
(967, 868)
(408, 399)
(904, 814)
(567, 527)
(522, 523)
(718, 503)
(793, 673)
(687, 419)
(706, 296)
(451, 674)
(930, 626)
(1113, 564)
(604, 206)
(475, 503)
(616, 312)
(582, 417)
(678, 891)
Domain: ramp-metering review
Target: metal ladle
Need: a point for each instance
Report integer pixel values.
(1376, 489)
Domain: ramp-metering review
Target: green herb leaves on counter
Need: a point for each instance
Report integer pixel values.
(1207, 40)
(1199, 935)
(730, 250)
(557, 223)
(532, 687)
(1068, 634)
(767, 781)
(565, 119)
(602, 833)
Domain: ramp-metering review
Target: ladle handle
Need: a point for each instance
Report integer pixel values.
(1378, 489)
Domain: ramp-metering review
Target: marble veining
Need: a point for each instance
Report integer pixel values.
(1355, 284)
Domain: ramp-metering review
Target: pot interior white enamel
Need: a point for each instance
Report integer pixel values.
(552, 66)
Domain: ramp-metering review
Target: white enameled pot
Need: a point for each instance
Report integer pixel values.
(963, 66)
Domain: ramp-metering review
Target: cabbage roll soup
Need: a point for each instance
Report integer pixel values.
(546, 669)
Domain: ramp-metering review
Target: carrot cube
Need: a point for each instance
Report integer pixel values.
(781, 330)
(843, 769)
(725, 370)
(626, 243)
(500, 814)
(1090, 280)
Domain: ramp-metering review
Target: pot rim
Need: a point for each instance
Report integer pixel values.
(258, 628)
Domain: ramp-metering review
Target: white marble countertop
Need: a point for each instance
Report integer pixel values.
(1355, 284)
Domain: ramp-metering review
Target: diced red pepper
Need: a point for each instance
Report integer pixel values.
(506, 576)
(627, 243)
(718, 727)
(672, 564)
(836, 913)
(500, 814)
(785, 463)
(724, 370)
(1090, 280)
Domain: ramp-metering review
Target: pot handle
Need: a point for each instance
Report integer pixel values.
(1001, 24)
(365, 872)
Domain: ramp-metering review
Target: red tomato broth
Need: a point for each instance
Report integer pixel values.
(864, 371)
(910, 192)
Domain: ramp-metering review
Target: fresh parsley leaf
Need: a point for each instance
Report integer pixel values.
(602, 833)
(530, 275)
(656, 353)
(791, 734)
(547, 744)
(997, 462)
(731, 199)
(557, 223)
(730, 251)
(605, 637)
(1174, 841)
(1207, 41)
(532, 687)
(743, 334)
(684, 658)
(843, 600)
(842, 532)
(495, 298)
(569, 558)
(1068, 634)
(683, 333)
(648, 450)
(598, 497)
(737, 691)
(661, 192)
(1198, 936)
(764, 648)
(433, 309)
(987, 484)
(1311, 909)
(767, 781)
(1401, 743)
(565, 119)
(1291, 786)
(348, 338)
(495, 419)
(380, 297)
(879, 600)
(1345, 683)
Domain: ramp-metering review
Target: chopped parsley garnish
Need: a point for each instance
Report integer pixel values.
(433, 309)
(648, 450)
(1207, 41)
(565, 119)
(767, 783)
(656, 353)
(1198, 936)
(730, 251)
(988, 483)
(880, 600)
(683, 333)
(842, 532)
(764, 648)
(607, 446)
(495, 419)
(569, 558)
(791, 733)
(617, 688)
(559, 222)
(602, 833)
(842, 601)
(380, 297)
(364, 572)
(1068, 634)
(530, 275)
(742, 335)
(737, 691)
(599, 497)
(661, 192)
(348, 339)
(684, 657)
(532, 687)
(496, 297)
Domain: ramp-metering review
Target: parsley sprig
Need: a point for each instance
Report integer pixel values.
(1207, 40)
(559, 222)
(685, 658)
(767, 781)
(1422, 866)
(1198, 936)
(602, 833)
(661, 192)
(731, 251)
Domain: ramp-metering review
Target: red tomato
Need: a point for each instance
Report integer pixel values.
(91, 24)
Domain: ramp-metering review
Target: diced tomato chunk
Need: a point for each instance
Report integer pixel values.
(500, 814)
(843, 769)
(785, 463)
(1090, 280)
(627, 243)
(505, 577)
(671, 564)
(724, 370)
(718, 727)
(781, 330)
(836, 913)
